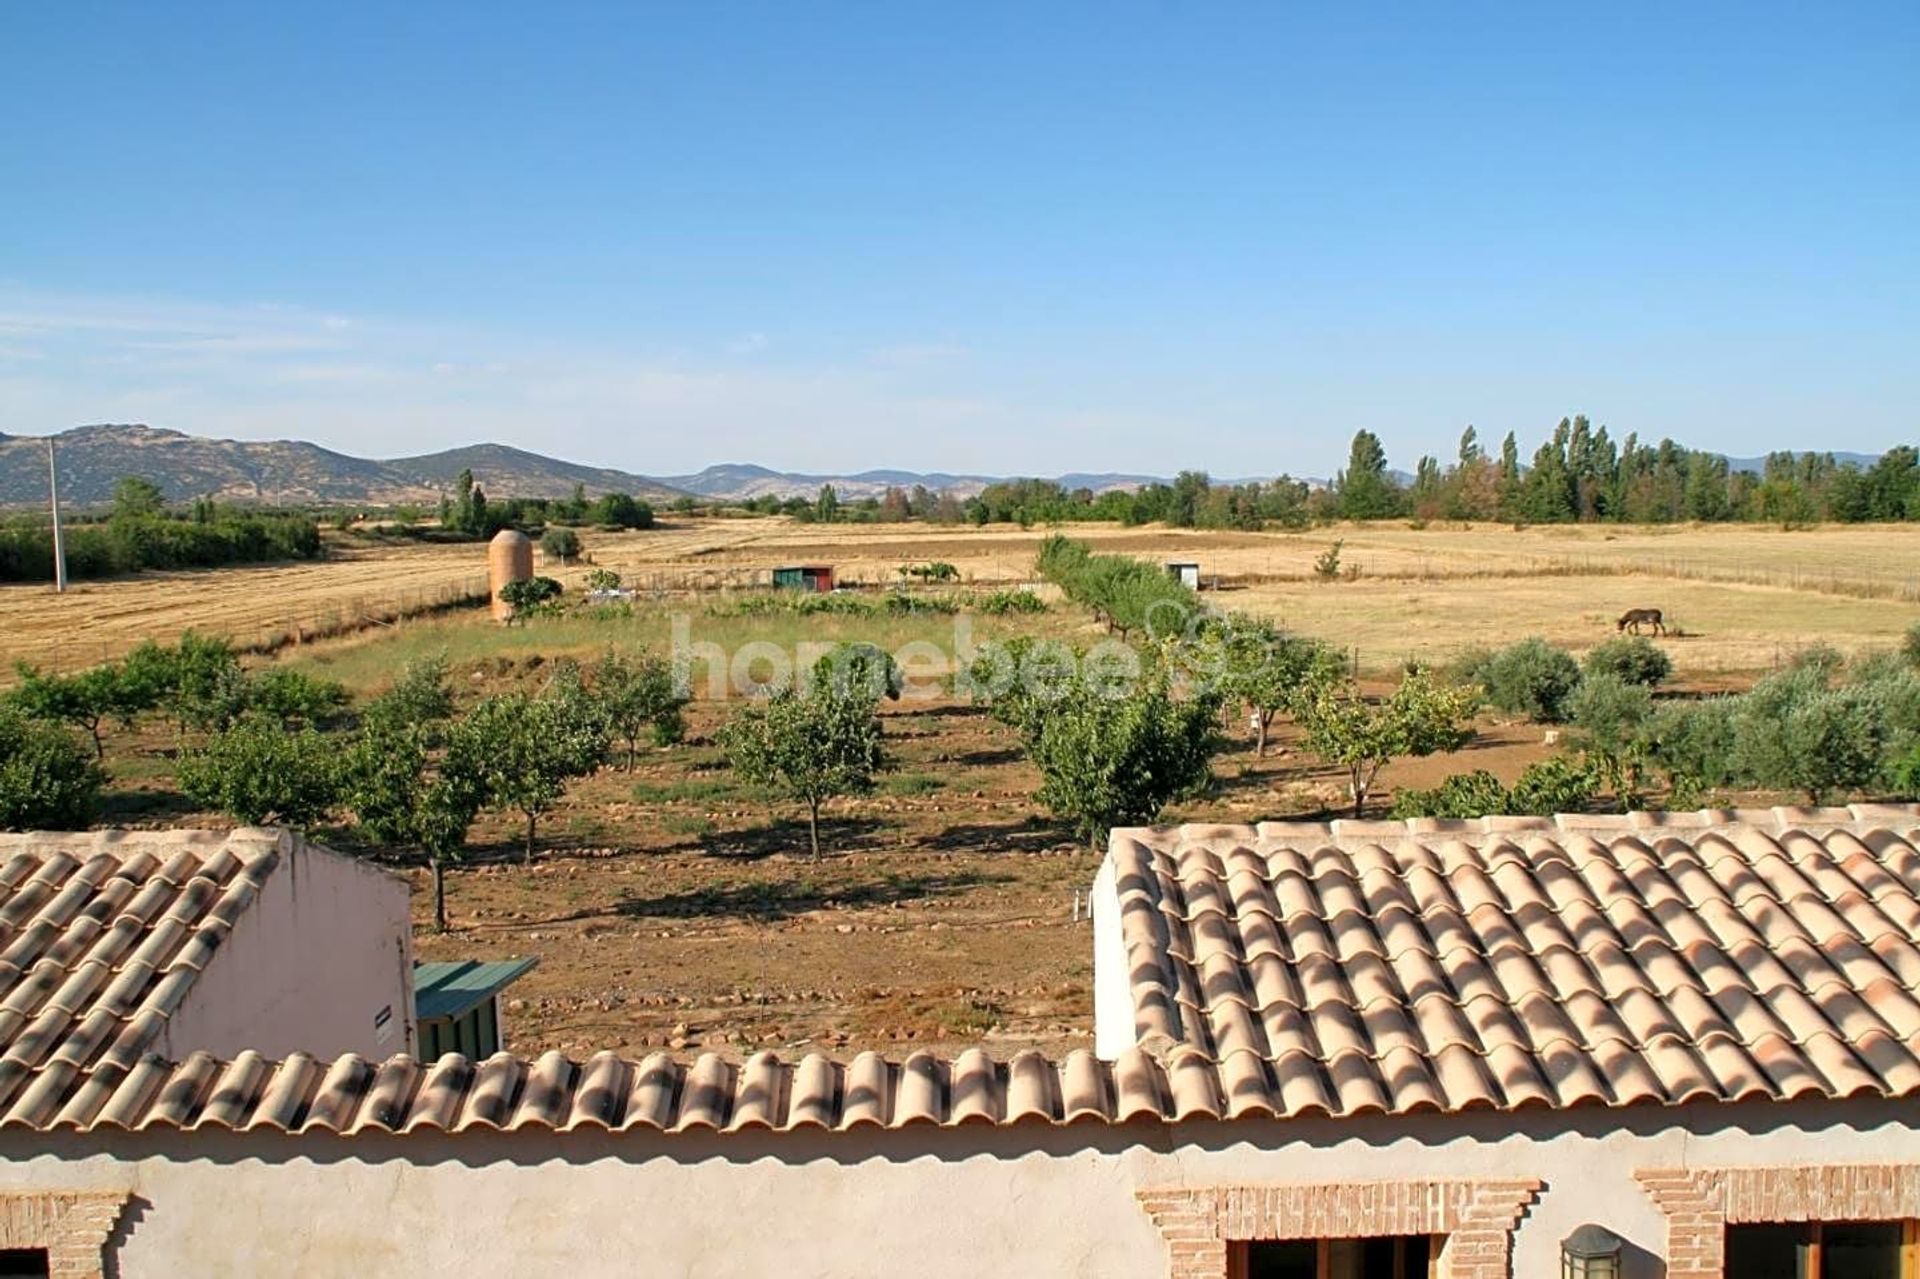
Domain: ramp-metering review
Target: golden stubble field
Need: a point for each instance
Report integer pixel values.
(1742, 596)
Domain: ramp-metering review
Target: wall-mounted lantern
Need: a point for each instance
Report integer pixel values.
(1591, 1252)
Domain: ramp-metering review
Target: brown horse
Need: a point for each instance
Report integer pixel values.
(1634, 618)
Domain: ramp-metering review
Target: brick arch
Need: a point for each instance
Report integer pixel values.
(1477, 1216)
(72, 1226)
(1700, 1203)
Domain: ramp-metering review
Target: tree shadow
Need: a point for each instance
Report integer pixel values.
(121, 807)
(988, 758)
(787, 835)
(1031, 834)
(783, 900)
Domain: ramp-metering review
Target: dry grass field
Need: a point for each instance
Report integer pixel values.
(1743, 595)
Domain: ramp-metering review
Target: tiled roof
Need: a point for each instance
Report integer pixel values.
(1342, 969)
(101, 936)
(1433, 965)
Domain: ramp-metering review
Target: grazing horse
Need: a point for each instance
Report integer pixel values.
(1634, 618)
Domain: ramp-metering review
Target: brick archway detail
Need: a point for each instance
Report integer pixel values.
(1477, 1216)
(73, 1226)
(1700, 1203)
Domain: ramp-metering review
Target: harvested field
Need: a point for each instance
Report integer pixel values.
(1853, 587)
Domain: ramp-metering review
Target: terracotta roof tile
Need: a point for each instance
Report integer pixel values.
(1294, 970)
(1570, 961)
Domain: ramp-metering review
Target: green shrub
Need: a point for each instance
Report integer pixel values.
(1634, 659)
(1531, 678)
(533, 596)
(1910, 646)
(1558, 785)
(561, 544)
(1794, 732)
(1006, 603)
(1610, 717)
(1474, 794)
(49, 779)
(257, 770)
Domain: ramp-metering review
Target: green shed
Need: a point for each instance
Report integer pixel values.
(457, 1005)
(804, 577)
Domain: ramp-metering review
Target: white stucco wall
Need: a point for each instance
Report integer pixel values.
(924, 1202)
(307, 967)
(1113, 1030)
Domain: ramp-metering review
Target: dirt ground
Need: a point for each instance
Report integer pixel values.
(673, 906)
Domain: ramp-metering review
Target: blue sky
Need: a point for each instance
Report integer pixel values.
(983, 237)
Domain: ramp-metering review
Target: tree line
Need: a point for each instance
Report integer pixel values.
(468, 513)
(1578, 474)
(139, 532)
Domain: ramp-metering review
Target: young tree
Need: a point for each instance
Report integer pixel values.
(1611, 718)
(421, 696)
(637, 693)
(1250, 663)
(1418, 718)
(257, 770)
(529, 748)
(1531, 678)
(1109, 761)
(812, 746)
(1633, 658)
(85, 700)
(47, 778)
(415, 784)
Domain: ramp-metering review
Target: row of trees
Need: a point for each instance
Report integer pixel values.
(411, 769)
(1127, 595)
(1578, 474)
(468, 512)
(140, 533)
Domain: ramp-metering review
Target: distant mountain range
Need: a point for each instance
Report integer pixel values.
(736, 481)
(1759, 464)
(94, 458)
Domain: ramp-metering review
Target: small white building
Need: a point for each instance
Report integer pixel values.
(1187, 574)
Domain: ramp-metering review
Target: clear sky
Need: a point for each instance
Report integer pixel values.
(1019, 238)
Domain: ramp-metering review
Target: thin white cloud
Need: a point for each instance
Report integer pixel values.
(377, 388)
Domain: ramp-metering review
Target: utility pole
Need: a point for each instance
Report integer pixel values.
(59, 539)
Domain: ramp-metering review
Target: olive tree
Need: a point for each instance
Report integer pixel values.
(1359, 736)
(811, 745)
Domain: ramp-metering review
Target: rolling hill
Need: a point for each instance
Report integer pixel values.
(94, 458)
